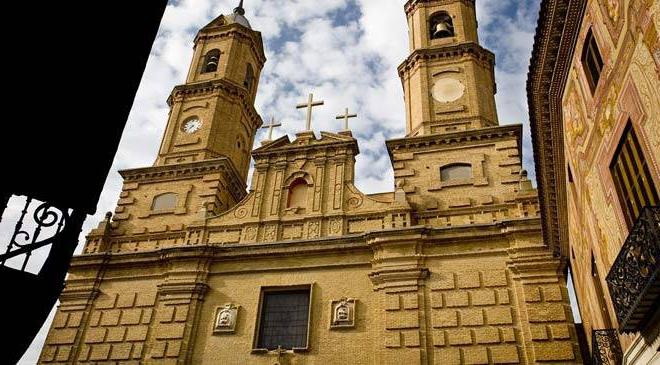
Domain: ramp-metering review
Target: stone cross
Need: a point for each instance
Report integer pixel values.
(345, 117)
(309, 105)
(273, 124)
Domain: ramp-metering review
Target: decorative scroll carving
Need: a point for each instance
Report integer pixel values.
(633, 279)
(335, 226)
(240, 212)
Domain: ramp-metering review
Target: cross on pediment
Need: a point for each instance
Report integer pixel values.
(309, 105)
(345, 117)
(273, 124)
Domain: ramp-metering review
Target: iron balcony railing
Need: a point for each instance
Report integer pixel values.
(633, 279)
(606, 348)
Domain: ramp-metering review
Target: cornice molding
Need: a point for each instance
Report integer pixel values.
(208, 87)
(346, 145)
(187, 170)
(554, 44)
(331, 244)
(412, 5)
(455, 138)
(449, 51)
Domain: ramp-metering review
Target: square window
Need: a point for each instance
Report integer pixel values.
(284, 318)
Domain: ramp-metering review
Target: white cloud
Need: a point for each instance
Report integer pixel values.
(349, 64)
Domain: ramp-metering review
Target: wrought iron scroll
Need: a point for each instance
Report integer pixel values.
(634, 274)
(606, 348)
(26, 235)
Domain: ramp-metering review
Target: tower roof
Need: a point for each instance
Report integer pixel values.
(238, 16)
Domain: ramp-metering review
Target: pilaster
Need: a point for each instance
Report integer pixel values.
(399, 276)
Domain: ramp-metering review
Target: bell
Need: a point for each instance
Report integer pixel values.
(212, 63)
(442, 30)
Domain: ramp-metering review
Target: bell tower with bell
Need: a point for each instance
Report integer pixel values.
(448, 79)
(212, 115)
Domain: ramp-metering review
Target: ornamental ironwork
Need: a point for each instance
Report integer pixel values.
(606, 348)
(35, 221)
(633, 279)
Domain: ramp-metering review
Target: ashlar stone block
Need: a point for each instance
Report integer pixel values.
(507, 354)
(456, 299)
(475, 355)
(499, 315)
(447, 356)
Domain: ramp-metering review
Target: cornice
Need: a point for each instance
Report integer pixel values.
(208, 87)
(412, 5)
(455, 138)
(554, 43)
(317, 145)
(187, 170)
(449, 51)
(341, 244)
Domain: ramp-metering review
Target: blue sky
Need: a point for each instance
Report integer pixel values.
(345, 51)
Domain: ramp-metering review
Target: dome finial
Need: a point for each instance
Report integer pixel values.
(239, 9)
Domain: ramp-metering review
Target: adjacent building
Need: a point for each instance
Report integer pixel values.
(594, 96)
(450, 267)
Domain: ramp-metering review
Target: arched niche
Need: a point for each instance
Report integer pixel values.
(297, 188)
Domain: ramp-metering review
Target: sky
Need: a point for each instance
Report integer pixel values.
(344, 51)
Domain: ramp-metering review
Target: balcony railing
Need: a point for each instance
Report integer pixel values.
(606, 348)
(634, 280)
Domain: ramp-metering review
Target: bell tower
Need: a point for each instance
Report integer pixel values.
(212, 115)
(448, 79)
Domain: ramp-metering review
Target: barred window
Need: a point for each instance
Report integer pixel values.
(632, 177)
(284, 320)
(592, 62)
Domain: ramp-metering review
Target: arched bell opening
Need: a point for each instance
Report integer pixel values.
(441, 25)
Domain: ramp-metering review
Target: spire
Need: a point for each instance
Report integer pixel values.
(239, 9)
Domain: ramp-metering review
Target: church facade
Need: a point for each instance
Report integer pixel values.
(303, 268)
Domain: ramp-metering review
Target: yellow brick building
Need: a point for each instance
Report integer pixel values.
(449, 268)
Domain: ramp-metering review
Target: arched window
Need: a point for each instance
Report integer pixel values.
(441, 25)
(459, 171)
(249, 77)
(165, 201)
(297, 194)
(211, 61)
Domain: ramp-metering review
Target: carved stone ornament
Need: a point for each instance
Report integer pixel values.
(225, 319)
(342, 313)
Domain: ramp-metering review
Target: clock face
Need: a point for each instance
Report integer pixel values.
(192, 125)
(447, 90)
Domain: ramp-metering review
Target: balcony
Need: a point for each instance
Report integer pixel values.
(633, 280)
(606, 348)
